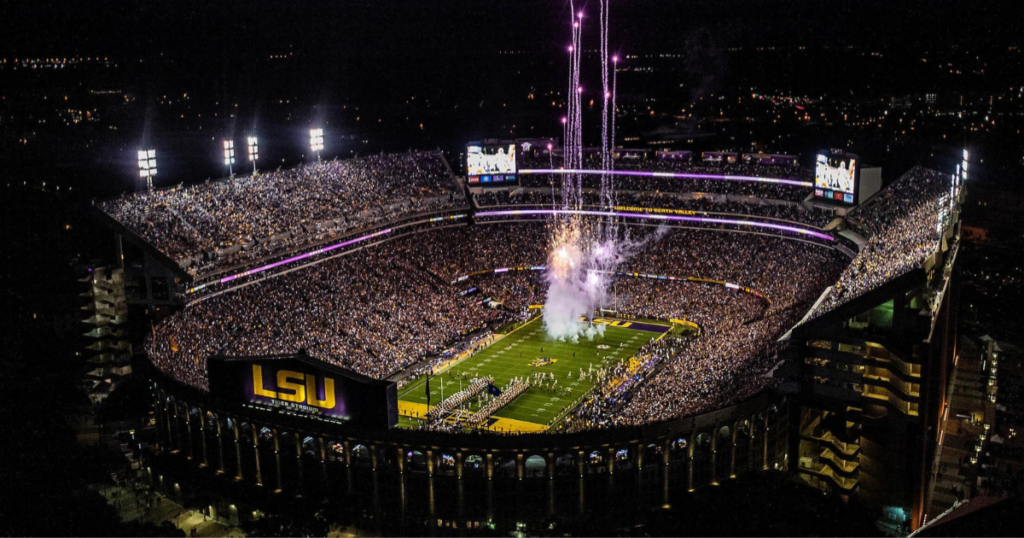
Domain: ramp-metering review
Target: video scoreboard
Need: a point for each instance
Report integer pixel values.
(835, 177)
(491, 165)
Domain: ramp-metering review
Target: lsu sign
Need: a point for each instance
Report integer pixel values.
(295, 387)
(305, 386)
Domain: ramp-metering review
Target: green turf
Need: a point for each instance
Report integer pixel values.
(408, 422)
(511, 357)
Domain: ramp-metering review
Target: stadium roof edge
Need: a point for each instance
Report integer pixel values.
(140, 242)
(871, 201)
(866, 301)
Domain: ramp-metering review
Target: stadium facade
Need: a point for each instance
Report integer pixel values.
(870, 379)
(858, 394)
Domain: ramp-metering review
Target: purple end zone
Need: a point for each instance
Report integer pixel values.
(649, 327)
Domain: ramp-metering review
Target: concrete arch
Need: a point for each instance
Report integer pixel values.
(335, 450)
(474, 465)
(729, 444)
(505, 466)
(416, 461)
(565, 464)
(361, 452)
(535, 466)
(624, 459)
(445, 463)
(210, 421)
(390, 456)
(309, 446)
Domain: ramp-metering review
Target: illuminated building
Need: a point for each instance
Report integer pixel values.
(870, 377)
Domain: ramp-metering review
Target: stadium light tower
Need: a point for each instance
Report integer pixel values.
(316, 141)
(229, 156)
(147, 166)
(254, 151)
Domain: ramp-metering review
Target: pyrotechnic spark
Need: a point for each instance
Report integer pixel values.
(582, 249)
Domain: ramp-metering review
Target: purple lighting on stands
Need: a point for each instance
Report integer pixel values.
(650, 216)
(636, 173)
(304, 256)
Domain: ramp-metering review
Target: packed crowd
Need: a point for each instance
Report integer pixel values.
(465, 250)
(663, 184)
(383, 309)
(903, 229)
(701, 203)
(371, 311)
(784, 271)
(727, 362)
(248, 217)
(517, 291)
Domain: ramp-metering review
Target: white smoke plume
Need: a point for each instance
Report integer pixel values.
(579, 275)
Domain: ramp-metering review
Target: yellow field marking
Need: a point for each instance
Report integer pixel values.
(443, 367)
(412, 409)
(450, 363)
(511, 425)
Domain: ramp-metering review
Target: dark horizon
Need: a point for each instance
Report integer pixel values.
(366, 28)
(187, 75)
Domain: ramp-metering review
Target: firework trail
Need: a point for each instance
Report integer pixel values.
(584, 253)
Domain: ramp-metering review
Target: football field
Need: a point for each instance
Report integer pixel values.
(520, 354)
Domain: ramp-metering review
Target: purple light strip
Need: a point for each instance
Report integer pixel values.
(676, 175)
(650, 216)
(304, 256)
